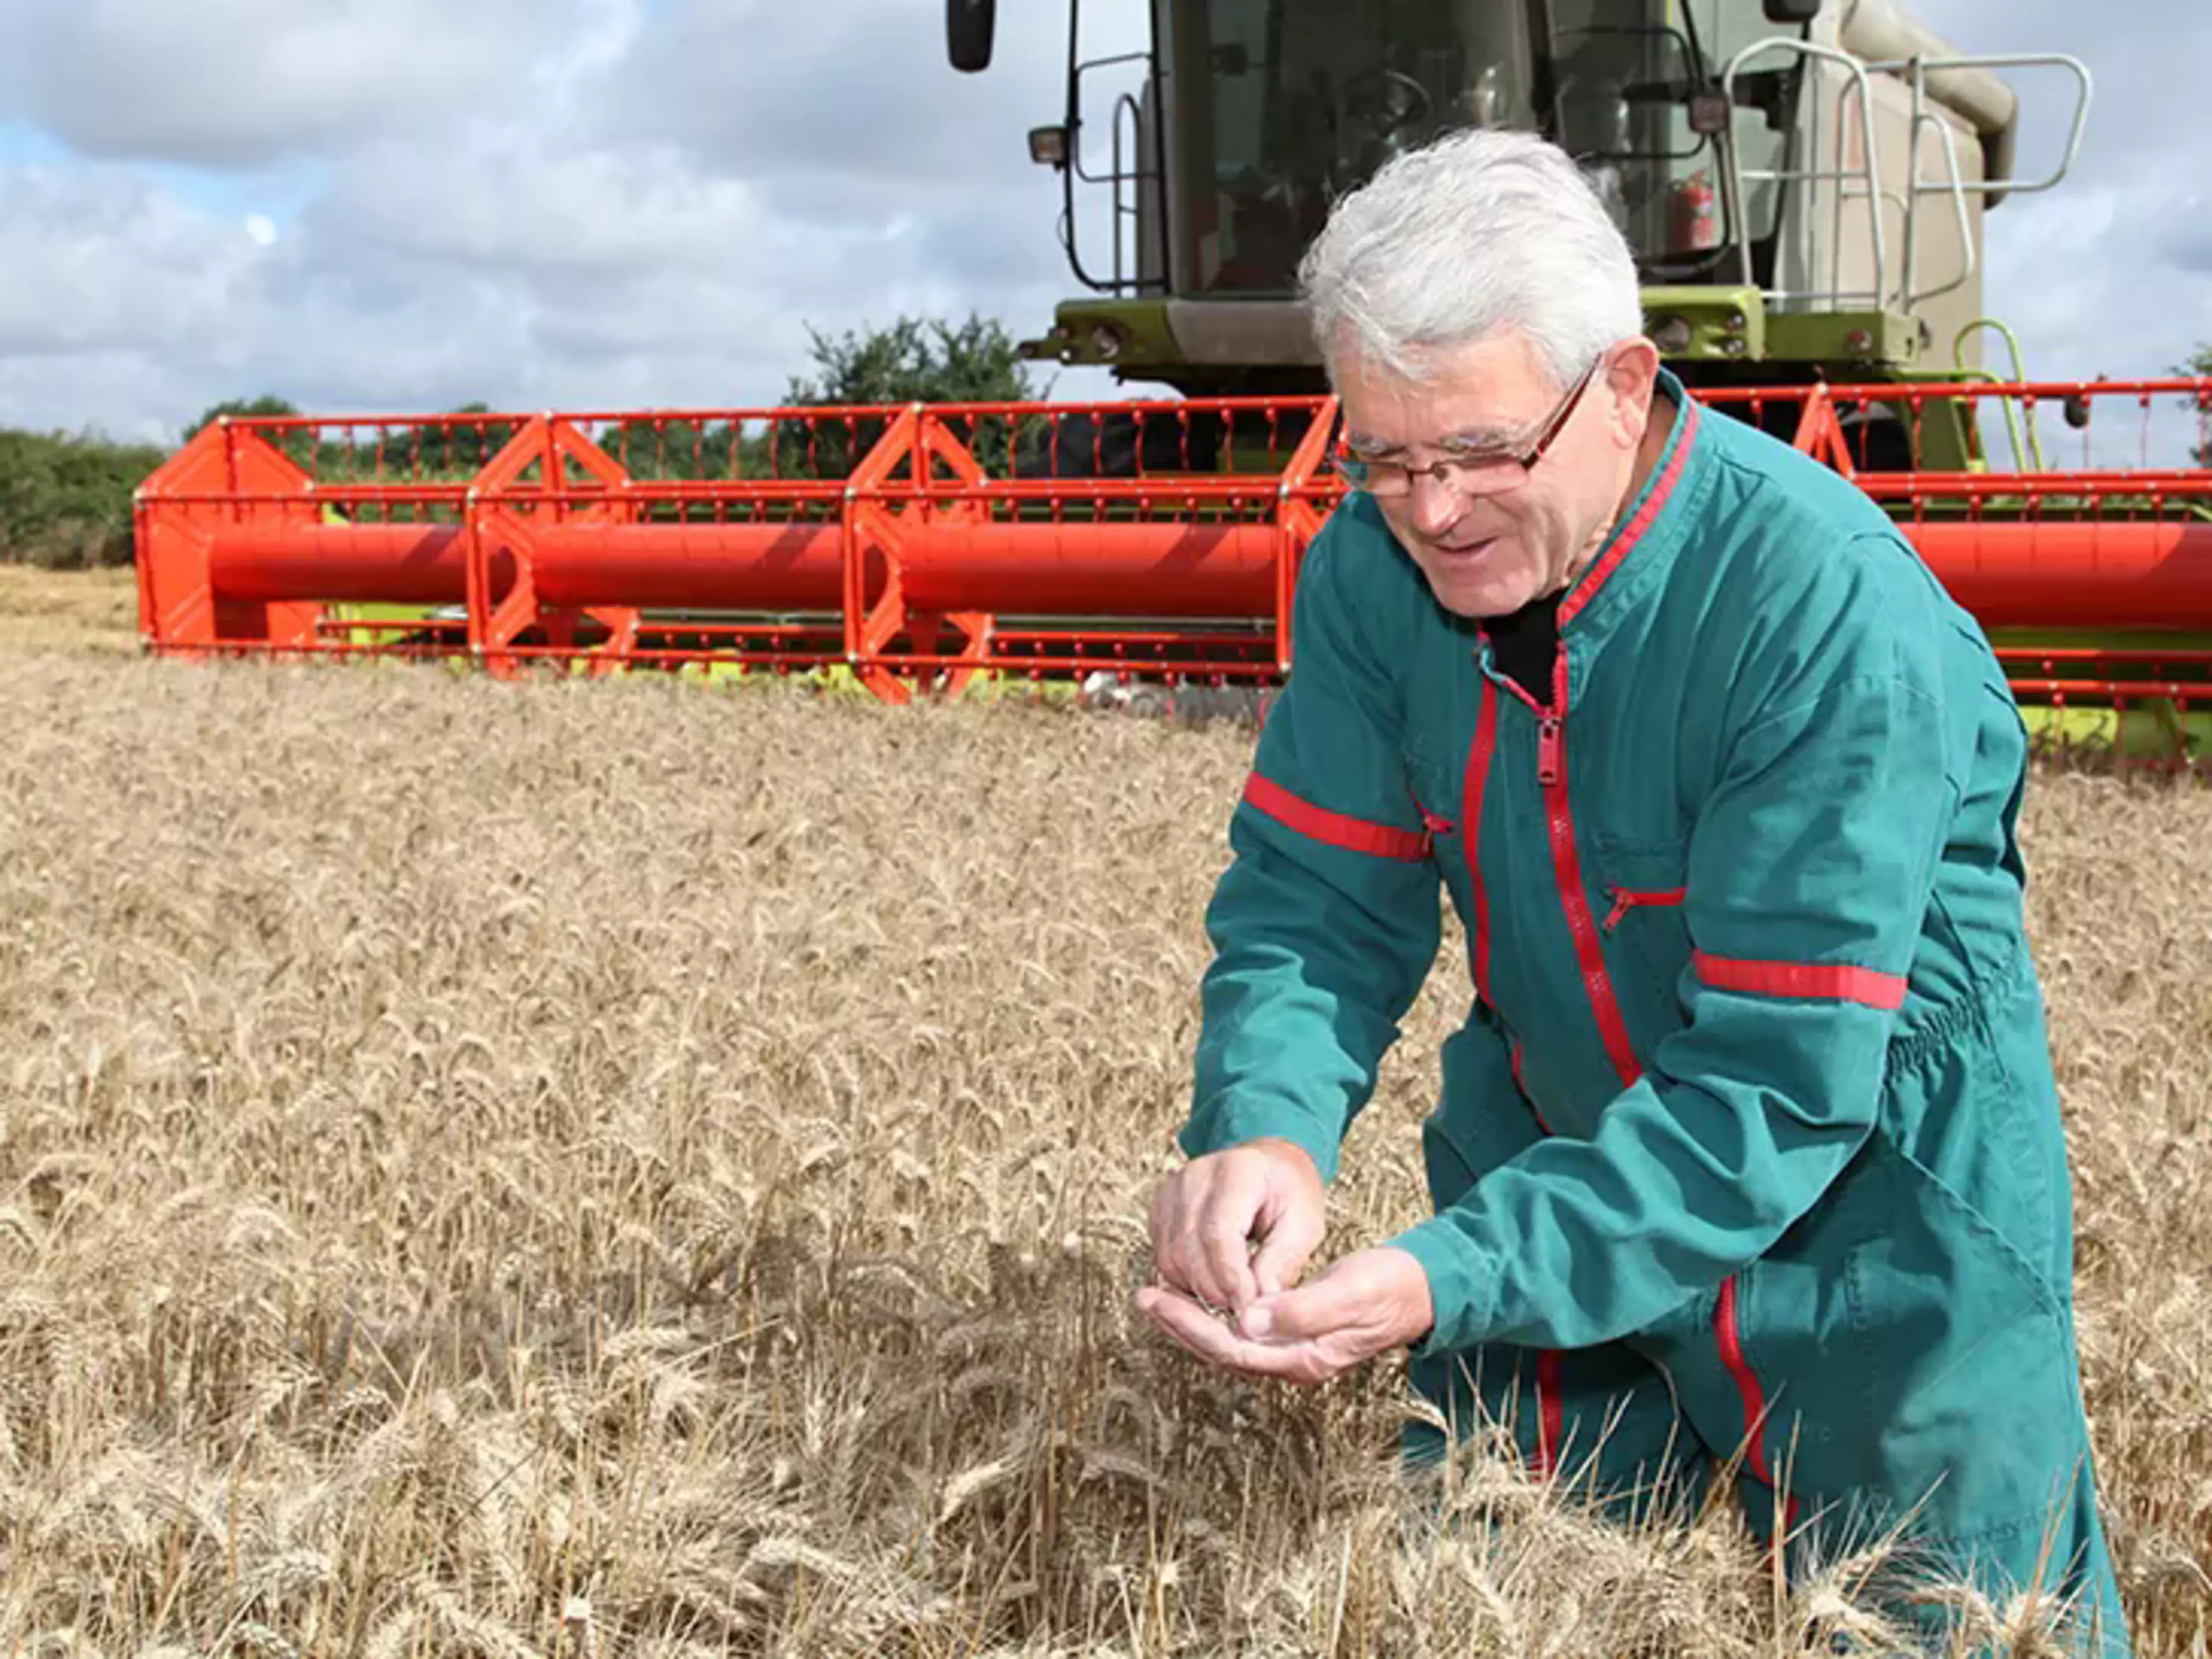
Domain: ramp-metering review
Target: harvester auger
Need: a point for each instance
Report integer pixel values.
(917, 547)
(1803, 183)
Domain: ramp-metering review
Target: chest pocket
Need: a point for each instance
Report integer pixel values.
(1645, 931)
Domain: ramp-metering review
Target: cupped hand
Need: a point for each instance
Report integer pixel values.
(1370, 1302)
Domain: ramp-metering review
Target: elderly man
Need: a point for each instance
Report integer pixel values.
(1750, 1142)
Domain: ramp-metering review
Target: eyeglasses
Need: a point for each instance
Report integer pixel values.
(1485, 471)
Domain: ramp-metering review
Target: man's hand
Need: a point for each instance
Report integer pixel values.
(1206, 1214)
(1368, 1303)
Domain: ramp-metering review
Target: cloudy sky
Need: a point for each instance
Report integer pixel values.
(403, 205)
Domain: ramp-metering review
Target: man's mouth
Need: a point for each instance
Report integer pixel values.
(1466, 549)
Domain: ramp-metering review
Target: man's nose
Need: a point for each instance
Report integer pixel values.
(1436, 505)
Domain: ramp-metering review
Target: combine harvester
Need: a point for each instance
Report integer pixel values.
(1804, 182)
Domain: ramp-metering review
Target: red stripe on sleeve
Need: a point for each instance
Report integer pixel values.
(1803, 979)
(1333, 828)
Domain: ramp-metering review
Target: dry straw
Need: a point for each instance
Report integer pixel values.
(623, 1170)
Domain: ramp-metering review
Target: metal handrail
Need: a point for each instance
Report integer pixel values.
(1735, 174)
(1075, 149)
(1127, 103)
(1914, 71)
(1922, 67)
(1119, 176)
(2032, 461)
(1914, 296)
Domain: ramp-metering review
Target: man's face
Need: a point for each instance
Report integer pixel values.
(1491, 542)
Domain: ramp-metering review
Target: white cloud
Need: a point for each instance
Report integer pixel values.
(860, 92)
(526, 203)
(501, 209)
(99, 261)
(612, 202)
(237, 82)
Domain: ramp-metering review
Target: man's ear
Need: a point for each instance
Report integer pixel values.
(1633, 377)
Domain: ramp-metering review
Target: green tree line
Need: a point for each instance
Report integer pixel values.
(65, 501)
(66, 498)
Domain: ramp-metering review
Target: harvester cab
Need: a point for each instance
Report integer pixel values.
(1802, 181)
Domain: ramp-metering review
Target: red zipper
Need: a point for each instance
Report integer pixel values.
(1728, 1336)
(1589, 955)
(1567, 867)
(1550, 1409)
(1590, 951)
(1626, 899)
(1477, 776)
(1550, 1413)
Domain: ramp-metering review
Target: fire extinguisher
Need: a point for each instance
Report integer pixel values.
(1696, 226)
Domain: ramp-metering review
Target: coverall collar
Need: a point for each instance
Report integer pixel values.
(1633, 564)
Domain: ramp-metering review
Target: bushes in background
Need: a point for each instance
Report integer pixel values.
(65, 501)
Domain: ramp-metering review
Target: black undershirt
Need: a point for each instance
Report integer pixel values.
(1527, 643)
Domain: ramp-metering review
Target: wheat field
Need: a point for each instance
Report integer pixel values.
(627, 1169)
(70, 609)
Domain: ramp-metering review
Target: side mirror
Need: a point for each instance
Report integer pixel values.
(1792, 11)
(969, 25)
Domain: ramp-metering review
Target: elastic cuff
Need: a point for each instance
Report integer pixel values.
(1462, 1285)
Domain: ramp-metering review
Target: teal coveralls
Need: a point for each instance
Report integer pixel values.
(1751, 1139)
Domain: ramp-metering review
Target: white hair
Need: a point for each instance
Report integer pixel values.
(1480, 232)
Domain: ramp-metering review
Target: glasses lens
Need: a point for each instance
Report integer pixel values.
(1469, 475)
(1376, 477)
(1485, 475)
(1465, 475)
